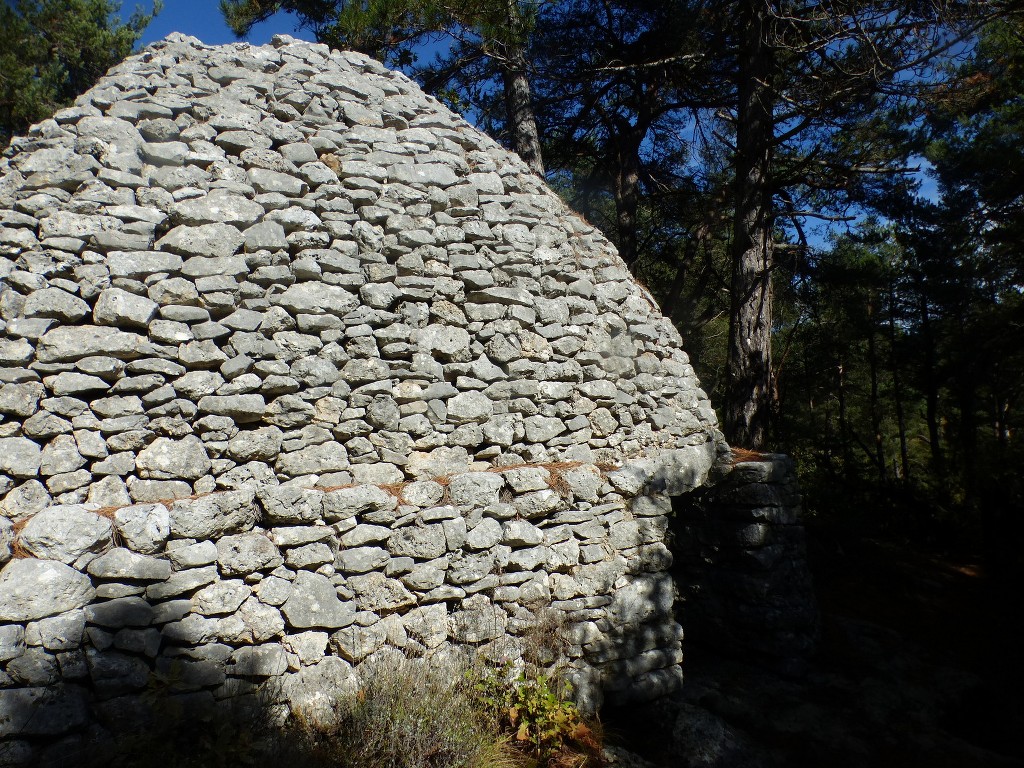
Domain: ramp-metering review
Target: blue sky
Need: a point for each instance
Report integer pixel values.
(202, 19)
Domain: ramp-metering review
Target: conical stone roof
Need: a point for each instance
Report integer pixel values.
(237, 264)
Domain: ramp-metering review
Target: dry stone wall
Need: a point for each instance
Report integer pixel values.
(299, 370)
(742, 564)
(295, 591)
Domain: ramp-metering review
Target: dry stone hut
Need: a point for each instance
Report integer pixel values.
(297, 370)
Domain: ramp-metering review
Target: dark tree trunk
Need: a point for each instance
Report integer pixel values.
(627, 198)
(749, 368)
(931, 380)
(676, 310)
(897, 388)
(845, 439)
(876, 410)
(519, 110)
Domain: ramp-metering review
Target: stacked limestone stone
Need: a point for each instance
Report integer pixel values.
(297, 589)
(743, 563)
(244, 274)
(234, 264)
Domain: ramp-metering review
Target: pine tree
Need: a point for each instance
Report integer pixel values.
(53, 50)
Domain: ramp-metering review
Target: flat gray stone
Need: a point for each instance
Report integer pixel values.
(20, 400)
(283, 505)
(219, 209)
(245, 553)
(34, 589)
(20, 457)
(120, 308)
(182, 583)
(57, 304)
(541, 429)
(183, 555)
(484, 534)
(316, 459)
(316, 299)
(220, 598)
(209, 240)
(65, 533)
(61, 455)
(267, 235)
(120, 563)
(169, 459)
(361, 559)
(141, 264)
(421, 542)
(25, 500)
(265, 180)
(12, 641)
(429, 174)
(262, 444)
(240, 408)
(354, 643)
(380, 594)
(259, 661)
(215, 515)
(57, 633)
(521, 533)
(43, 711)
(476, 489)
(144, 528)
(70, 343)
(470, 407)
(314, 604)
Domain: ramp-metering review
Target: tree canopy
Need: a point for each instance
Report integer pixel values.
(53, 50)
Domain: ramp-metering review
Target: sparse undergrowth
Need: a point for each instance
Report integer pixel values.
(543, 723)
(415, 715)
(408, 714)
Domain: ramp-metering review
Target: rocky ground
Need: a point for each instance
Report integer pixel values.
(918, 666)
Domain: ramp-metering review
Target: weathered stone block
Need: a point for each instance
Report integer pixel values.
(34, 589)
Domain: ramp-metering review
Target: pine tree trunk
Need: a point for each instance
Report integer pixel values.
(627, 198)
(897, 388)
(749, 366)
(876, 410)
(931, 380)
(519, 110)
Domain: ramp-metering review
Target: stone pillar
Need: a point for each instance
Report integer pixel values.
(741, 564)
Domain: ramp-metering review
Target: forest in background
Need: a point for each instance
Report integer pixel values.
(825, 197)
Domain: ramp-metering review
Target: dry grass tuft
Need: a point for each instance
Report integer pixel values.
(395, 489)
(332, 161)
(743, 455)
(329, 488)
(108, 512)
(18, 551)
(416, 714)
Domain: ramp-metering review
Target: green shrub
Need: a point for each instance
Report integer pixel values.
(409, 713)
(532, 707)
(417, 714)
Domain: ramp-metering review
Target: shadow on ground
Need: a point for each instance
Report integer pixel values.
(919, 665)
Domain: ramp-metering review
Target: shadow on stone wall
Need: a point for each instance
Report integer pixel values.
(741, 564)
(163, 724)
(216, 706)
(295, 591)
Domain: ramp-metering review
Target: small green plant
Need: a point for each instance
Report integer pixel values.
(416, 715)
(543, 723)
